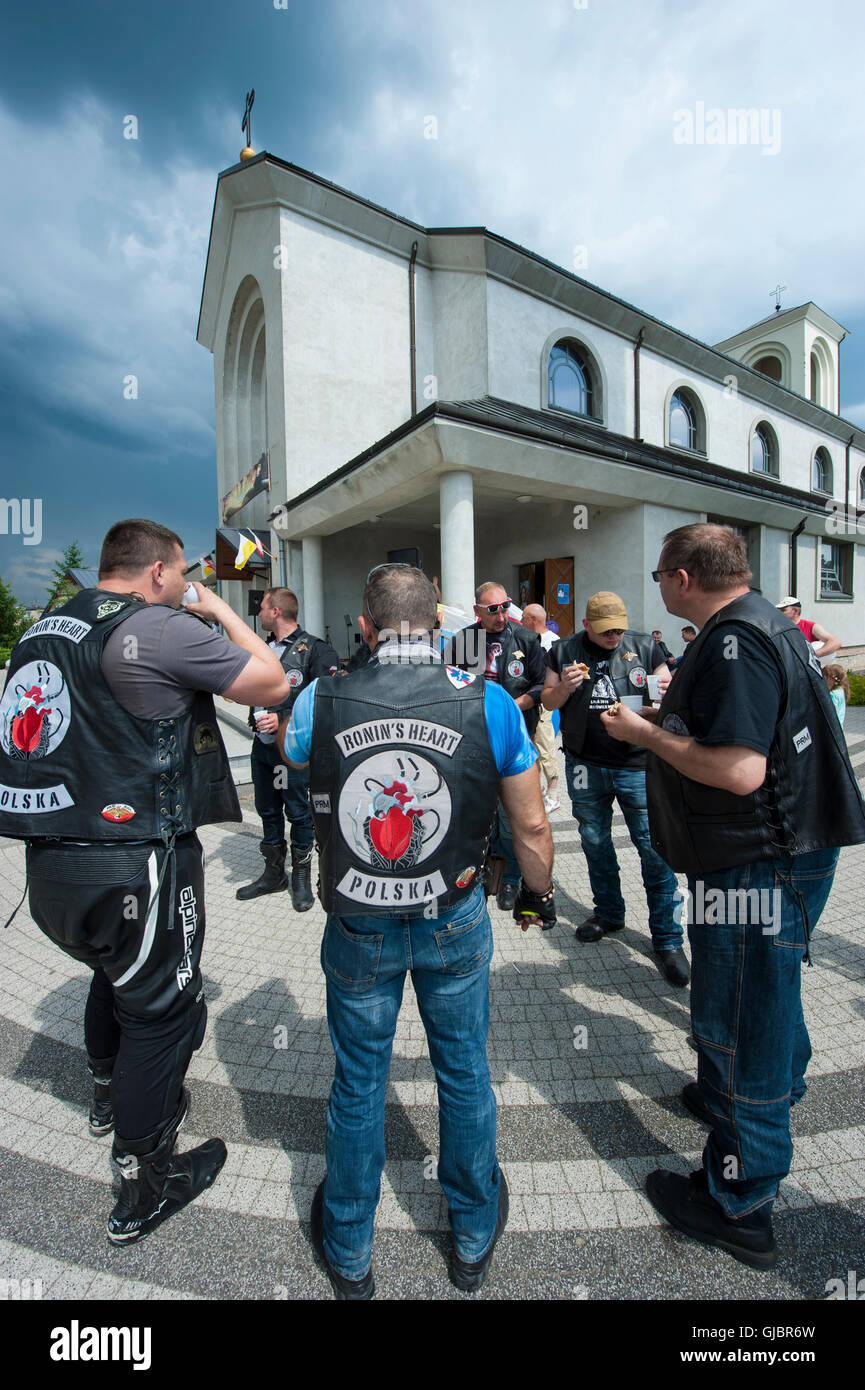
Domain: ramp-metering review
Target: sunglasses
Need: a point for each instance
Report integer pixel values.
(495, 607)
(656, 574)
(389, 565)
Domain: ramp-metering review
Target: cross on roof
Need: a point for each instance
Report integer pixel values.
(246, 123)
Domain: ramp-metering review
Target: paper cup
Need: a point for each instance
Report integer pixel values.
(632, 701)
(653, 683)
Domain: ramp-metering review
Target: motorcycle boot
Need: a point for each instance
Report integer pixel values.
(273, 879)
(301, 888)
(101, 1117)
(156, 1182)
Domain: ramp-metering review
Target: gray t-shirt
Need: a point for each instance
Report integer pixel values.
(156, 661)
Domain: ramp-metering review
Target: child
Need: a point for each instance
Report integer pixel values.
(839, 689)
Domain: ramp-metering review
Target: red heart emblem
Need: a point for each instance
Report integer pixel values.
(27, 729)
(392, 835)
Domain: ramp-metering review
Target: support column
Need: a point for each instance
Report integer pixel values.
(457, 514)
(312, 612)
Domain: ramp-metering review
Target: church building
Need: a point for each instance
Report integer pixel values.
(384, 387)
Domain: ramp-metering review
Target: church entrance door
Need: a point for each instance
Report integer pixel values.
(550, 583)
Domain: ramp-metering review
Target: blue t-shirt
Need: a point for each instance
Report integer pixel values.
(512, 748)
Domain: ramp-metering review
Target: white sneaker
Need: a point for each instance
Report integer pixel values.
(551, 803)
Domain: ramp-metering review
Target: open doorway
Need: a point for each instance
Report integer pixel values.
(550, 583)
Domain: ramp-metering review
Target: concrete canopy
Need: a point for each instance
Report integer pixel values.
(401, 476)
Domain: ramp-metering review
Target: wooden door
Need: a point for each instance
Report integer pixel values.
(526, 582)
(559, 593)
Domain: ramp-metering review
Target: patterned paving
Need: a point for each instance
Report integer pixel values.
(579, 1125)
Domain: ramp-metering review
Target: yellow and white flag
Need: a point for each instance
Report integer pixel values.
(247, 548)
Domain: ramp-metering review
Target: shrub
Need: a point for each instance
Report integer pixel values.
(857, 687)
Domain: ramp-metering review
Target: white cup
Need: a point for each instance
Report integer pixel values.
(653, 683)
(632, 701)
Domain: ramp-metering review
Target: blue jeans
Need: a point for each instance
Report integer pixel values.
(746, 1017)
(593, 810)
(365, 960)
(288, 801)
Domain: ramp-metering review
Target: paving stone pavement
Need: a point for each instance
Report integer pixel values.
(579, 1126)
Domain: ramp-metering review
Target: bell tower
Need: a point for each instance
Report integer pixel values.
(798, 348)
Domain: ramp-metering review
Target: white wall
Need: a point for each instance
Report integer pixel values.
(519, 328)
(345, 344)
(460, 312)
(731, 416)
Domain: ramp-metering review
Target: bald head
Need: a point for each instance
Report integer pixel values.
(535, 617)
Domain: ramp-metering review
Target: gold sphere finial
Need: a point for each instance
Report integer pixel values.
(247, 153)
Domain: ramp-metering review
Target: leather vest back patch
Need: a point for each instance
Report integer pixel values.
(74, 764)
(404, 787)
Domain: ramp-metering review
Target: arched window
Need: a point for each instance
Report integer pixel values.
(571, 378)
(683, 421)
(862, 488)
(769, 366)
(821, 471)
(816, 392)
(764, 450)
(244, 390)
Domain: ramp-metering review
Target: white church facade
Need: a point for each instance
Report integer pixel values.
(444, 389)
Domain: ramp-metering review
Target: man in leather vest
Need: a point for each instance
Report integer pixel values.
(587, 673)
(110, 756)
(280, 790)
(407, 759)
(750, 793)
(511, 656)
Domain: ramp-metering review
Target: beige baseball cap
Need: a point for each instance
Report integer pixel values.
(606, 610)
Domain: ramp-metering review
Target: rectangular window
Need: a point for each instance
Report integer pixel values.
(836, 570)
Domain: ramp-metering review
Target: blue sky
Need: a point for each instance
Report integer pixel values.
(555, 128)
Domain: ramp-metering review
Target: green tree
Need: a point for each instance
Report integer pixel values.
(60, 590)
(12, 620)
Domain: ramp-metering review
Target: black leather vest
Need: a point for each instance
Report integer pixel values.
(469, 649)
(628, 677)
(404, 785)
(810, 799)
(75, 765)
(295, 660)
